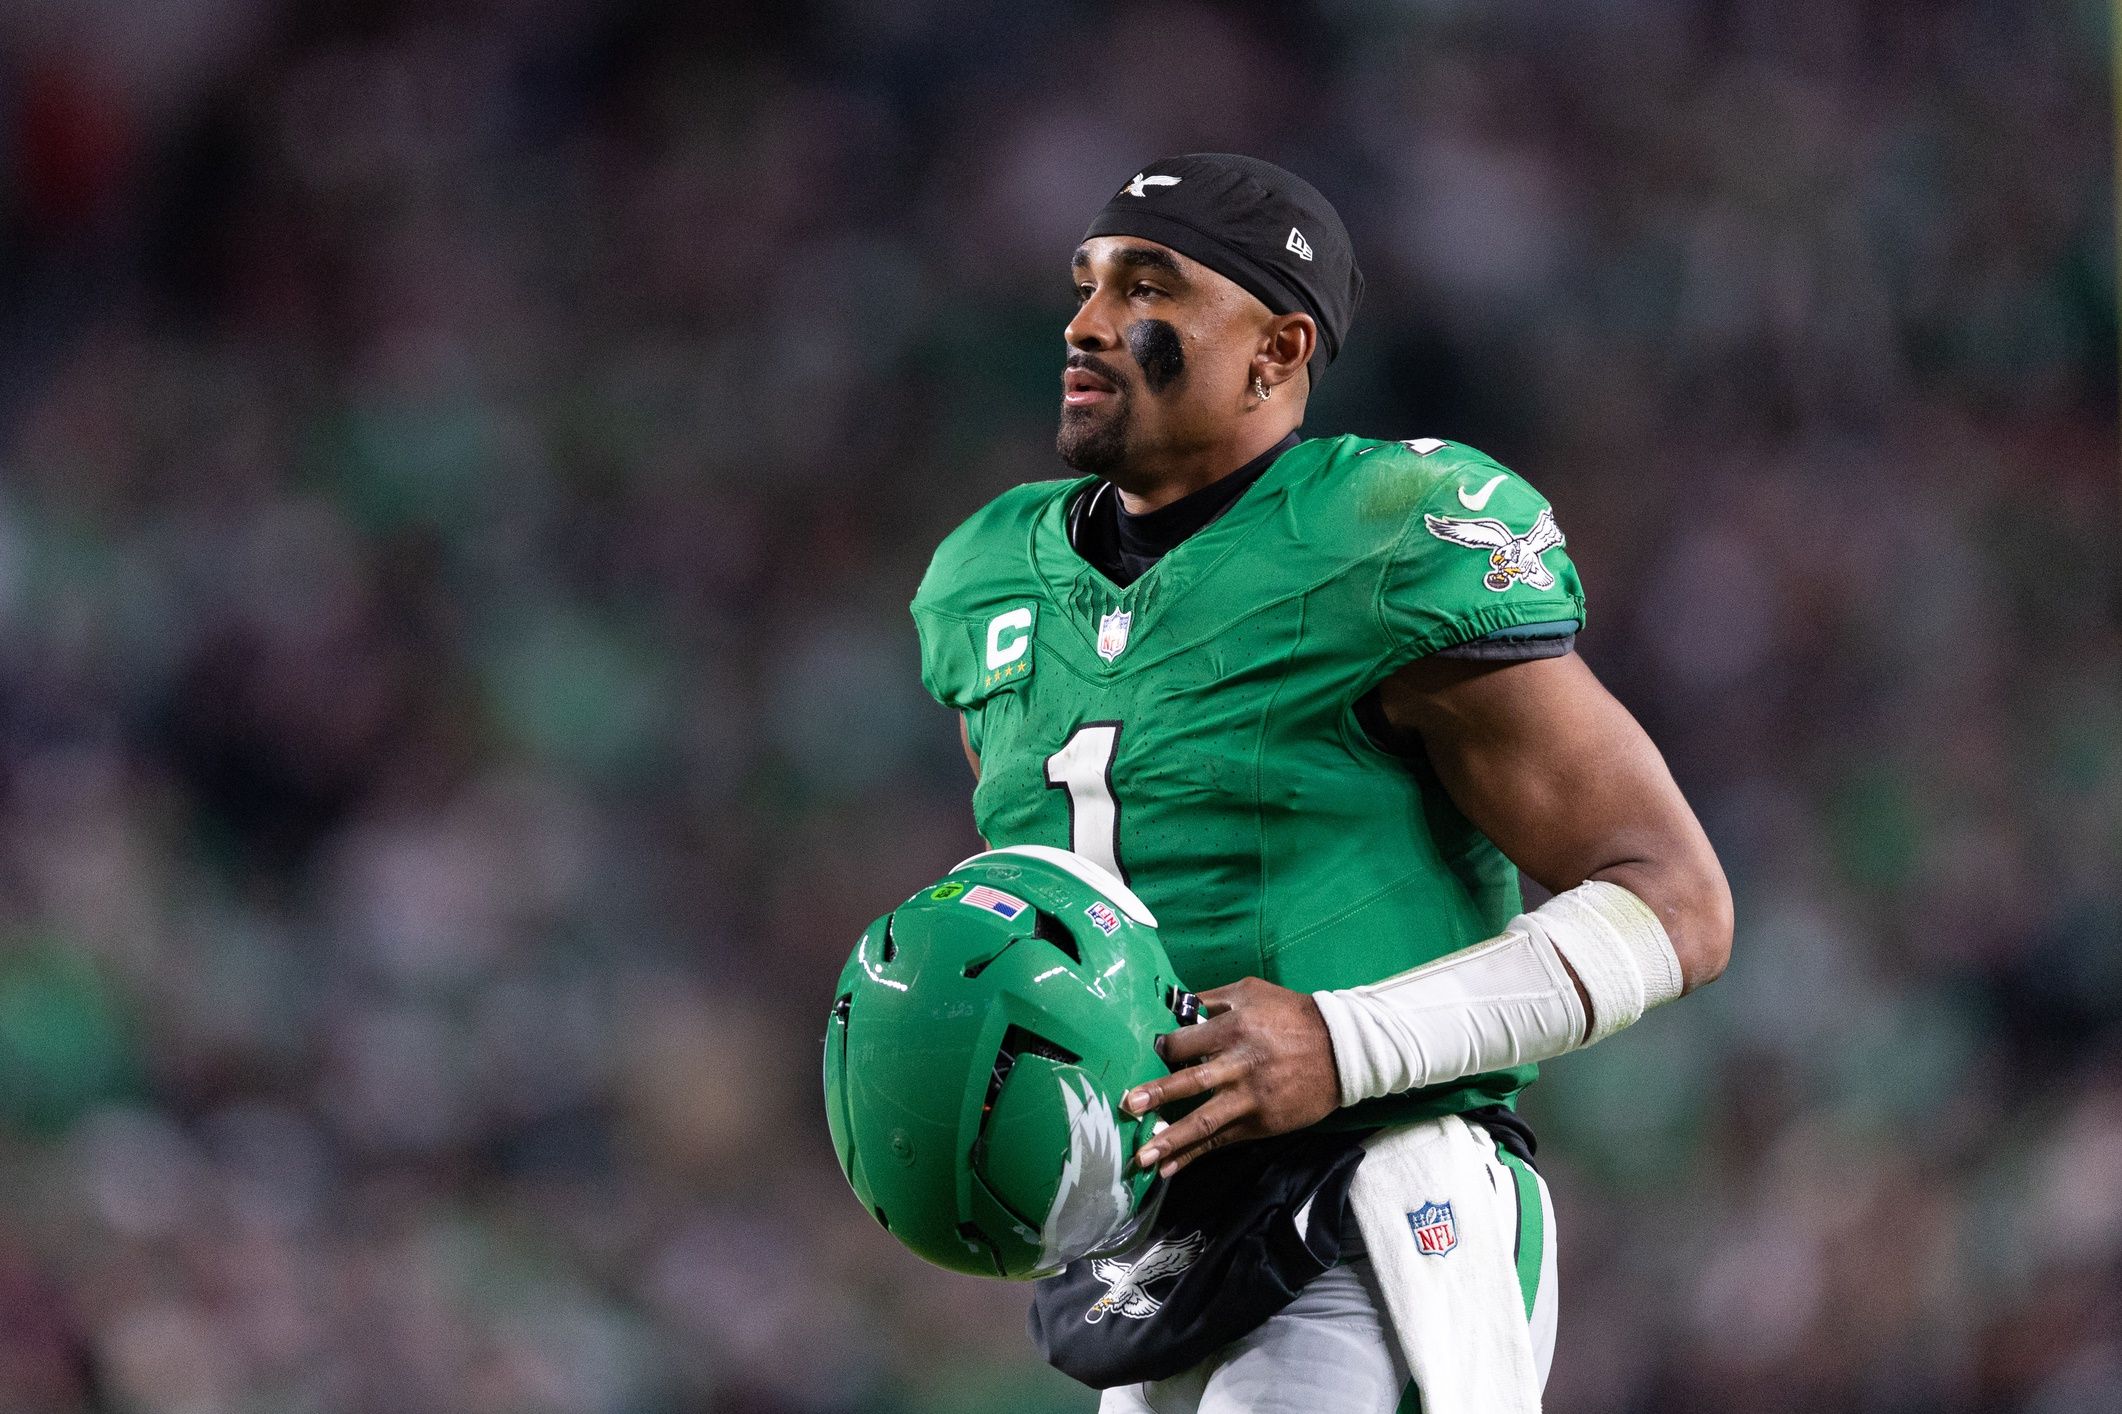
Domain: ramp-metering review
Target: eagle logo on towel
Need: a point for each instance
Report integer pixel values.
(1435, 1231)
(1511, 556)
(1125, 1281)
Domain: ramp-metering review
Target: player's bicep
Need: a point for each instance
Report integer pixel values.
(1545, 762)
(965, 739)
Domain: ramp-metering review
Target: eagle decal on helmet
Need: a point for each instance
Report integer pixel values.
(1092, 1199)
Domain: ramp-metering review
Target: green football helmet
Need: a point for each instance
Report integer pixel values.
(982, 1038)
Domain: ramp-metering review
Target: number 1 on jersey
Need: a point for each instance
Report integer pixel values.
(1084, 768)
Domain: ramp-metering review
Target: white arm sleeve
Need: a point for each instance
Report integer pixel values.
(1508, 1000)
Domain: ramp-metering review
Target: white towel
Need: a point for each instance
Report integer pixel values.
(1452, 1291)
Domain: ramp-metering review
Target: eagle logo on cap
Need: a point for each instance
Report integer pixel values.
(1135, 187)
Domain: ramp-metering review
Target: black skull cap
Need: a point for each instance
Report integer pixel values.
(1265, 229)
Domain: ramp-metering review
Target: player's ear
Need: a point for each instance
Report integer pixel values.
(1286, 345)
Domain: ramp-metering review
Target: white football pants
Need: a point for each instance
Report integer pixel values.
(1333, 1350)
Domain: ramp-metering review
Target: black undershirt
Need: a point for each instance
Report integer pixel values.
(1123, 546)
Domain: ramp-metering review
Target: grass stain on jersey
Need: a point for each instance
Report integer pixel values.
(1394, 481)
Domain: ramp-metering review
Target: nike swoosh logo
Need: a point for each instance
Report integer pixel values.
(1479, 500)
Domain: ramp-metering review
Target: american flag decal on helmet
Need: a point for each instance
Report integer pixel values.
(995, 901)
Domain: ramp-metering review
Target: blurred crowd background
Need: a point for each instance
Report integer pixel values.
(463, 464)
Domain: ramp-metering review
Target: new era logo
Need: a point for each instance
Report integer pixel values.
(1297, 243)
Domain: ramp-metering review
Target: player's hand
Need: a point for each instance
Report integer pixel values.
(1264, 1059)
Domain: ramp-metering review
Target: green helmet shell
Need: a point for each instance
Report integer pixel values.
(982, 1036)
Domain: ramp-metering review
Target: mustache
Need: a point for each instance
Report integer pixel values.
(1091, 363)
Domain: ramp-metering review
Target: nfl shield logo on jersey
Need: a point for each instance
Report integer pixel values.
(1112, 633)
(1435, 1232)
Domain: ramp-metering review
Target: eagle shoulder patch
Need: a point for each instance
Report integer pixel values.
(1512, 557)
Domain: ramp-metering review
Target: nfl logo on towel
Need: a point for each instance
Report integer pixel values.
(1435, 1232)
(1112, 633)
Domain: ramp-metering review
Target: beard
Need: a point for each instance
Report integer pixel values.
(1094, 440)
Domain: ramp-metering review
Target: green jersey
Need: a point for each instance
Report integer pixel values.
(1196, 731)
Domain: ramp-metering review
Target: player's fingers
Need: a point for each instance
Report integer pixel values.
(1218, 1000)
(1241, 1127)
(1181, 1085)
(1196, 1128)
(1191, 1043)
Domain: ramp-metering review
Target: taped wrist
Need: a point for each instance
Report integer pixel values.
(1619, 950)
(1507, 1001)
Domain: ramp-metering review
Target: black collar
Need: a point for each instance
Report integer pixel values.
(1123, 546)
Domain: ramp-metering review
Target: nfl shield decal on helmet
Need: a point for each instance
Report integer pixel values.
(1112, 633)
(1435, 1232)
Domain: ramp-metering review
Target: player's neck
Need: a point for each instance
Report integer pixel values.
(1152, 488)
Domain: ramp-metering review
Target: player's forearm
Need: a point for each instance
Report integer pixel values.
(1556, 772)
(1582, 966)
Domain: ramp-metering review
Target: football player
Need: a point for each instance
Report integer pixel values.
(1315, 701)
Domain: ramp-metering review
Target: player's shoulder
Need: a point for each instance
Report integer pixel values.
(1369, 491)
(989, 553)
